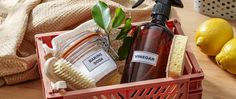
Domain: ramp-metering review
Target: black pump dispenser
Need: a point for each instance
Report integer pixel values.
(150, 50)
(176, 3)
(161, 10)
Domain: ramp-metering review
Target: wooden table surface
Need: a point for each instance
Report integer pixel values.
(218, 84)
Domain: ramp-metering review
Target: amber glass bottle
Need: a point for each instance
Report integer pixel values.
(150, 50)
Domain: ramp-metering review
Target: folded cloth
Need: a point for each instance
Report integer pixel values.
(20, 20)
(57, 15)
(2, 82)
(30, 74)
(14, 18)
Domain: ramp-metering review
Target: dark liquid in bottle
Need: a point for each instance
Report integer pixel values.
(158, 42)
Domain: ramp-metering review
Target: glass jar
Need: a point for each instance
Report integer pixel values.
(89, 53)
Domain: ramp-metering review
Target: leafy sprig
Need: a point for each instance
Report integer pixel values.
(102, 17)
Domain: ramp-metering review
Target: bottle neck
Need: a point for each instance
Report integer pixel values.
(159, 19)
(161, 11)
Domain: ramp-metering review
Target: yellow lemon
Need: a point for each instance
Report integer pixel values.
(212, 35)
(227, 56)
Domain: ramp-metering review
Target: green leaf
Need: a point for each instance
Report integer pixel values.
(101, 15)
(124, 31)
(118, 18)
(123, 51)
(137, 30)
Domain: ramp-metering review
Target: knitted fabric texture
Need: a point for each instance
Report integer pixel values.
(14, 19)
(57, 15)
(20, 20)
(2, 82)
(30, 74)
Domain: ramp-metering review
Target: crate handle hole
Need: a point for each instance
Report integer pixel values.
(163, 91)
(157, 90)
(122, 97)
(150, 90)
(134, 93)
(142, 92)
(181, 85)
(180, 96)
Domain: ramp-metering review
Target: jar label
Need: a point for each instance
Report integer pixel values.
(96, 59)
(145, 57)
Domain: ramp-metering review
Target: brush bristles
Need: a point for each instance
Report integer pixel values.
(65, 71)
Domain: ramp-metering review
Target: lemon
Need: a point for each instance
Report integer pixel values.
(227, 56)
(212, 35)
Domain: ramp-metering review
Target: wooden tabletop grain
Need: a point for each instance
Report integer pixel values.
(218, 84)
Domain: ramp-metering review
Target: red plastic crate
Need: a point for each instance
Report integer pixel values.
(189, 86)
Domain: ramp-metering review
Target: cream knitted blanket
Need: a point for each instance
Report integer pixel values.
(20, 20)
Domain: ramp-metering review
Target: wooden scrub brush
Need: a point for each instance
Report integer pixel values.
(62, 70)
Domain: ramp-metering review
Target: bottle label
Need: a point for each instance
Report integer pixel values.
(97, 63)
(145, 57)
(95, 60)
